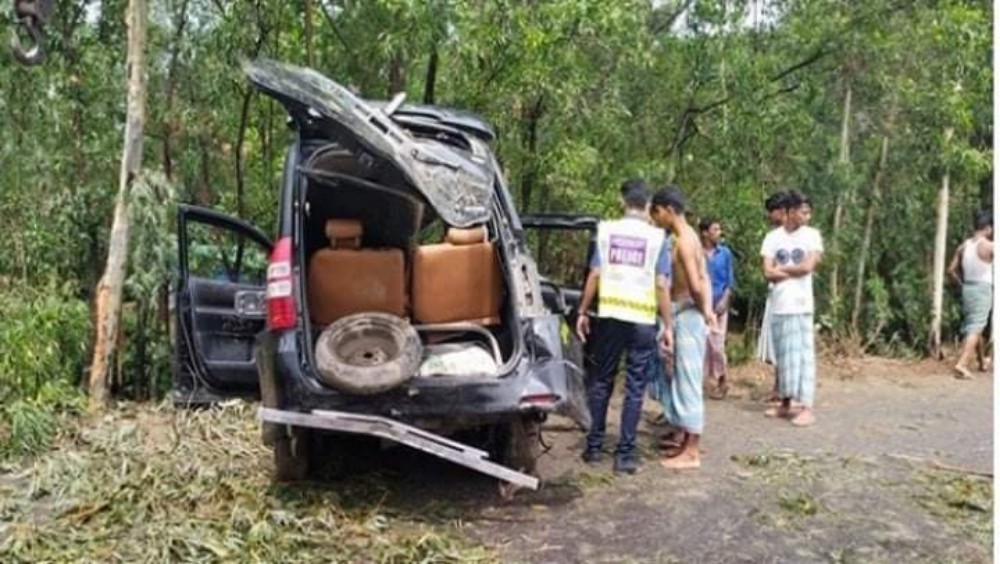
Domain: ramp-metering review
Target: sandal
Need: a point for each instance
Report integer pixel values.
(720, 391)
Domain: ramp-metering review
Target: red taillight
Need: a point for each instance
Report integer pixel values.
(280, 301)
(540, 400)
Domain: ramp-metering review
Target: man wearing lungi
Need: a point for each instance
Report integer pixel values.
(632, 270)
(691, 301)
(791, 254)
(775, 206)
(720, 272)
(972, 267)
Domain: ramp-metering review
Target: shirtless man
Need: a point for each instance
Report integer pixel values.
(691, 302)
(972, 268)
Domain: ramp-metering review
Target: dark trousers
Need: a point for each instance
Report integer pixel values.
(639, 343)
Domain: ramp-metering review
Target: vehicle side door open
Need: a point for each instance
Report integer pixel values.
(219, 305)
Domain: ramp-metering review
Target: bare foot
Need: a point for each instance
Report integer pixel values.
(779, 411)
(804, 419)
(986, 365)
(962, 373)
(687, 460)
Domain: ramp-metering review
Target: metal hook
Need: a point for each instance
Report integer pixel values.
(34, 54)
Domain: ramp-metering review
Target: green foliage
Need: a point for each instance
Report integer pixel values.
(43, 336)
(727, 103)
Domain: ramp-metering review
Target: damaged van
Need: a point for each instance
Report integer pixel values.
(397, 299)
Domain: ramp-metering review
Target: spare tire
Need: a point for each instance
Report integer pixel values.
(368, 353)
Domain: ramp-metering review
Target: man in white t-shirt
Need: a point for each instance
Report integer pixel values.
(791, 254)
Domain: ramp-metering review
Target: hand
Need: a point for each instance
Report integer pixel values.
(583, 326)
(712, 323)
(666, 341)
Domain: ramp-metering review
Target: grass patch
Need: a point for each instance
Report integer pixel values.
(162, 485)
(962, 502)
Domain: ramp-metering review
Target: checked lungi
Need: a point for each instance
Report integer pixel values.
(683, 404)
(795, 356)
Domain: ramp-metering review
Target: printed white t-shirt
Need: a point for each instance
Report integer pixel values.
(794, 295)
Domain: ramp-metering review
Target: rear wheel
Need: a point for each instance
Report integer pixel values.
(523, 445)
(291, 455)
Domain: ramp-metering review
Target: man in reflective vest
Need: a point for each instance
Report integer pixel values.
(632, 270)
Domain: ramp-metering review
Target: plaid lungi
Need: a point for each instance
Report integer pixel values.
(683, 404)
(795, 356)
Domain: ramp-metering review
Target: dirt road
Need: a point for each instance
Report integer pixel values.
(150, 483)
(859, 486)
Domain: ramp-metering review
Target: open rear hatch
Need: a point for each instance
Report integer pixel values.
(459, 187)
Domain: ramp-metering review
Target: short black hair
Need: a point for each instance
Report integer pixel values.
(636, 195)
(776, 201)
(633, 183)
(982, 220)
(706, 223)
(670, 196)
(796, 199)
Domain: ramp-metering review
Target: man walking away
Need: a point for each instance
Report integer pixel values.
(775, 206)
(791, 254)
(720, 272)
(632, 269)
(972, 267)
(691, 299)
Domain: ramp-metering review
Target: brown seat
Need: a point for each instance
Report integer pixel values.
(458, 280)
(346, 279)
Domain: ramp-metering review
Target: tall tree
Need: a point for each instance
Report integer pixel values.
(109, 289)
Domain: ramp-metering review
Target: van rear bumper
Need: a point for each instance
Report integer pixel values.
(551, 385)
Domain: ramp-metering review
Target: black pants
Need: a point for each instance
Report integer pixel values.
(639, 342)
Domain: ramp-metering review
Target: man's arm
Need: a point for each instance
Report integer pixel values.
(772, 272)
(805, 268)
(727, 294)
(663, 301)
(696, 276)
(955, 267)
(589, 290)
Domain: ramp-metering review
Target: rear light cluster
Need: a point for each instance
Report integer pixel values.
(280, 301)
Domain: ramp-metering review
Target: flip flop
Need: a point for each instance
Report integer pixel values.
(720, 392)
(962, 374)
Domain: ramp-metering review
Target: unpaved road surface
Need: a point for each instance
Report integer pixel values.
(860, 486)
(890, 473)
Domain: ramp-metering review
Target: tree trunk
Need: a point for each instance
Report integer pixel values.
(171, 126)
(866, 241)
(432, 65)
(844, 160)
(397, 74)
(241, 135)
(529, 142)
(940, 244)
(109, 289)
(310, 58)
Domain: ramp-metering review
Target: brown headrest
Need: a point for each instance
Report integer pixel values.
(344, 233)
(470, 236)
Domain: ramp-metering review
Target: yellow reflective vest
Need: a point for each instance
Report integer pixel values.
(629, 249)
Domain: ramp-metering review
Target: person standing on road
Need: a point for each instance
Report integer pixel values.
(691, 301)
(790, 255)
(972, 268)
(720, 272)
(775, 206)
(632, 270)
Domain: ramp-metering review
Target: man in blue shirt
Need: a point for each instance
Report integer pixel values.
(720, 271)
